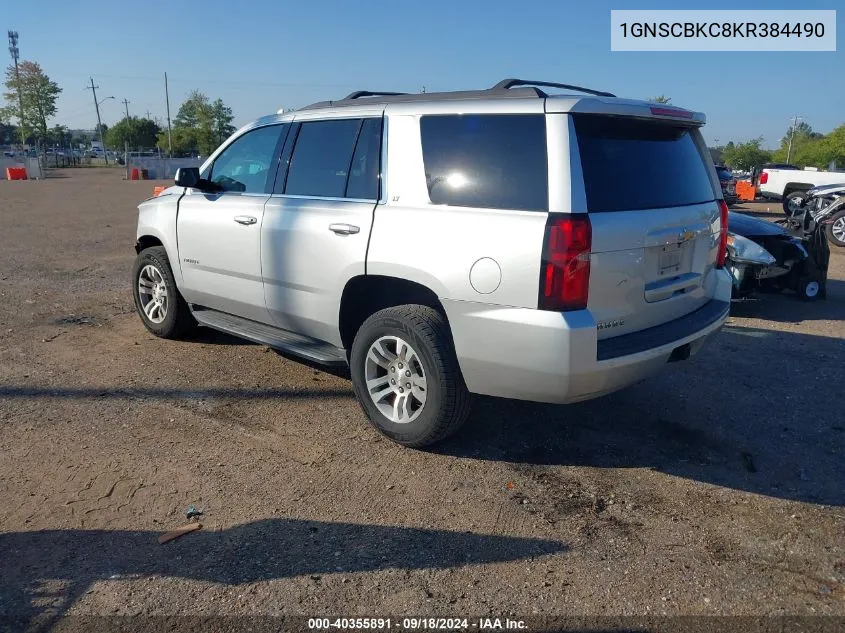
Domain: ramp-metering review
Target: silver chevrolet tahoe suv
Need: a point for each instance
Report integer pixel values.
(506, 242)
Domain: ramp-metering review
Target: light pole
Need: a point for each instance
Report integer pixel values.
(100, 126)
(15, 52)
(99, 121)
(93, 90)
(792, 135)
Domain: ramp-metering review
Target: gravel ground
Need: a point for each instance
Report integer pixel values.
(716, 488)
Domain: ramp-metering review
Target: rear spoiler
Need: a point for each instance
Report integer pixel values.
(626, 108)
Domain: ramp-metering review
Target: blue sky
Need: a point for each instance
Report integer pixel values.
(261, 55)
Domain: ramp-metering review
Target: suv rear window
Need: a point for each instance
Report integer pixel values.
(493, 161)
(631, 164)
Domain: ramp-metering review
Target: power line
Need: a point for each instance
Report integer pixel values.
(195, 81)
(126, 103)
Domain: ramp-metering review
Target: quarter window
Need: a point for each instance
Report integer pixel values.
(245, 165)
(494, 161)
(364, 173)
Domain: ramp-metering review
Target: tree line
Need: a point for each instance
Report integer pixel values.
(809, 149)
(199, 127)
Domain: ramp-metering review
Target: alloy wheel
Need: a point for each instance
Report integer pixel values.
(152, 291)
(396, 380)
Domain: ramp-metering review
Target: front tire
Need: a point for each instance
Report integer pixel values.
(793, 203)
(158, 301)
(810, 288)
(836, 229)
(406, 375)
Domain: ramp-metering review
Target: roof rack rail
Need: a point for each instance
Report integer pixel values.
(506, 84)
(366, 93)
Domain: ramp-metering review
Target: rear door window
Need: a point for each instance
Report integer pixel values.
(631, 164)
(495, 161)
(321, 158)
(364, 172)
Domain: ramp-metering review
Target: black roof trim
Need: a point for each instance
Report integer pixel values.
(507, 84)
(505, 89)
(366, 93)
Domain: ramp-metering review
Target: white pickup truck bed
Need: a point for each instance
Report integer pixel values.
(778, 183)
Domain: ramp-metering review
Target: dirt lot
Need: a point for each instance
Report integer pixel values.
(716, 488)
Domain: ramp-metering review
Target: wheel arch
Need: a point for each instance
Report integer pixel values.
(364, 295)
(792, 187)
(149, 236)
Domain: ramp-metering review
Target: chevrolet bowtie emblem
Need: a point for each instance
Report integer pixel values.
(685, 236)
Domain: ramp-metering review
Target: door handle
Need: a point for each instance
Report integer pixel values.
(245, 219)
(344, 229)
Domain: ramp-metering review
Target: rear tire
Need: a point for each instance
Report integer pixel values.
(158, 301)
(836, 229)
(406, 375)
(793, 203)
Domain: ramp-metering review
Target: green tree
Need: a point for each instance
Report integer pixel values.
(821, 150)
(802, 138)
(58, 135)
(38, 94)
(222, 117)
(745, 156)
(9, 134)
(660, 99)
(139, 133)
(184, 141)
(200, 125)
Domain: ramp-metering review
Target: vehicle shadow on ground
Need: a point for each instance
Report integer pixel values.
(788, 307)
(208, 336)
(47, 571)
(756, 410)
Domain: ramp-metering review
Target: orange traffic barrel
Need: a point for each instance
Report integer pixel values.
(158, 189)
(745, 190)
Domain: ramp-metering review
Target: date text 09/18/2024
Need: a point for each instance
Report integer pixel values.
(418, 624)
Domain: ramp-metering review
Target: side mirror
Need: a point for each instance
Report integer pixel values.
(187, 177)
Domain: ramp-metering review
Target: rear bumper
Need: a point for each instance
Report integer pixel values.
(555, 357)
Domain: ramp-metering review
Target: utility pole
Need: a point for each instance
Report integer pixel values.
(13, 49)
(795, 120)
(126, 103)
(93, 89)
(169, 134)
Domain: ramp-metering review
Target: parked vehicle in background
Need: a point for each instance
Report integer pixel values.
(728, 184)
(826, 206)
(764, 255)
(791, 185)
(439, 245)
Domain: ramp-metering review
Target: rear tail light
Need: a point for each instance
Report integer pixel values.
(565, 271)
(723, 235)
(764, 178)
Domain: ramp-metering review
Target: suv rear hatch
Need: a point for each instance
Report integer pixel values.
(655, 220)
